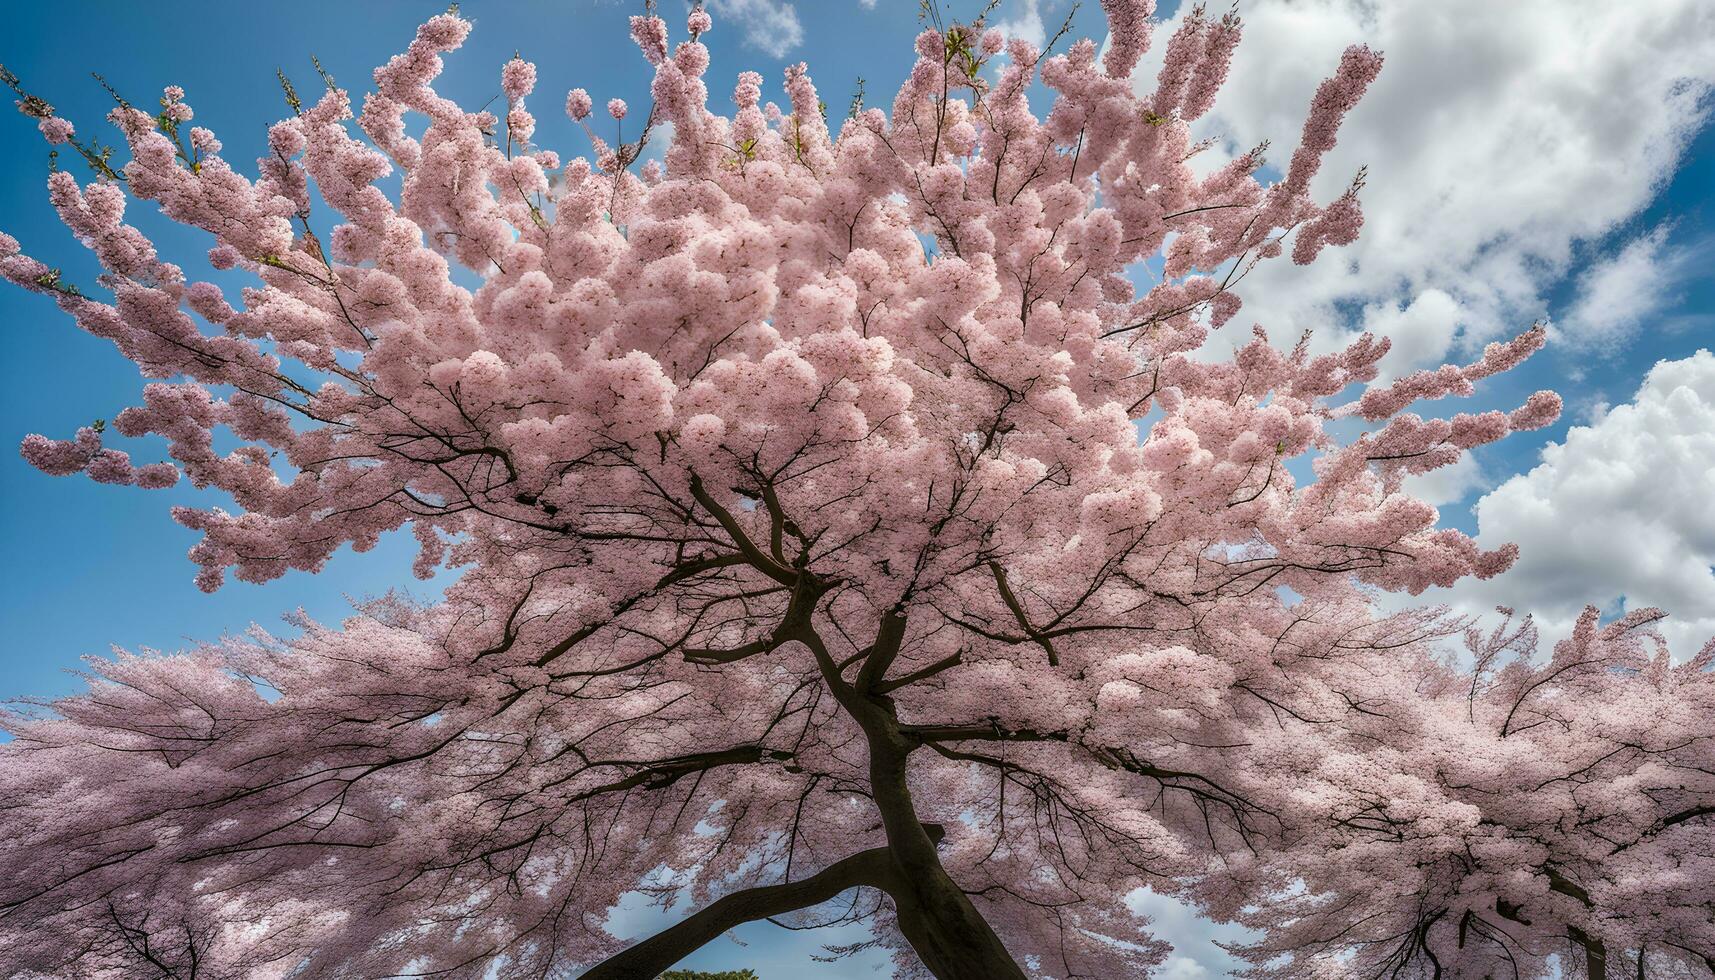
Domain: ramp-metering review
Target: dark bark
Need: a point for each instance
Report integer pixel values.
(1595, 951)
(935, 915)
(659, 952)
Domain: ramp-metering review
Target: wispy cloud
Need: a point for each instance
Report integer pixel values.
(770, 26)
(1626, 290)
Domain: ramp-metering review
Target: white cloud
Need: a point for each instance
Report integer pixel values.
(1196, 955)
(1498, 135)
(660, 140)
(867, 4)
(1447, 485)
(1183, 968)
(1621, 510)
(1625, 291)
(770, 26)
(1421, 330)
(1025, 21)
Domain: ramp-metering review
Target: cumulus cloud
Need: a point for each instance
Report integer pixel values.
(1422, 328)
(1447, 485)
(1618, 514)
(1024, 20)
(770, 26)
(1625, 291)
(1498, 136)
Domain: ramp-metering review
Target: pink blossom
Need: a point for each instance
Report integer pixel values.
(86, 455)
(578, 104)
(55, 129)
(517, 79)
(1128, 38)
(650, 35)
(1334, 98)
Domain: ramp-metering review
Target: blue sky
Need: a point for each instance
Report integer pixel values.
(1546, 160)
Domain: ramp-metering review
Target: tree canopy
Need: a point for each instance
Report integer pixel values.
(876, 523)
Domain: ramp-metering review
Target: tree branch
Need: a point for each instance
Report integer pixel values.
(872, 868)
(1017, 608)
(883, 652)
(945, 663)
(665, 772)
(764, 564)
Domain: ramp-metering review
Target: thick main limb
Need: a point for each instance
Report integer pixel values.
(872, 868)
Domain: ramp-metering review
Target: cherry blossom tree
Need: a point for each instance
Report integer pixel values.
(883, 525)
(1489, 819)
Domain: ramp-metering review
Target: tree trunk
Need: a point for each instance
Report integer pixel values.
(1595, 953)
(935, 915)
(951, 937)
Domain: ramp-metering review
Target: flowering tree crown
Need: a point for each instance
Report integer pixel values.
(810, 541)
